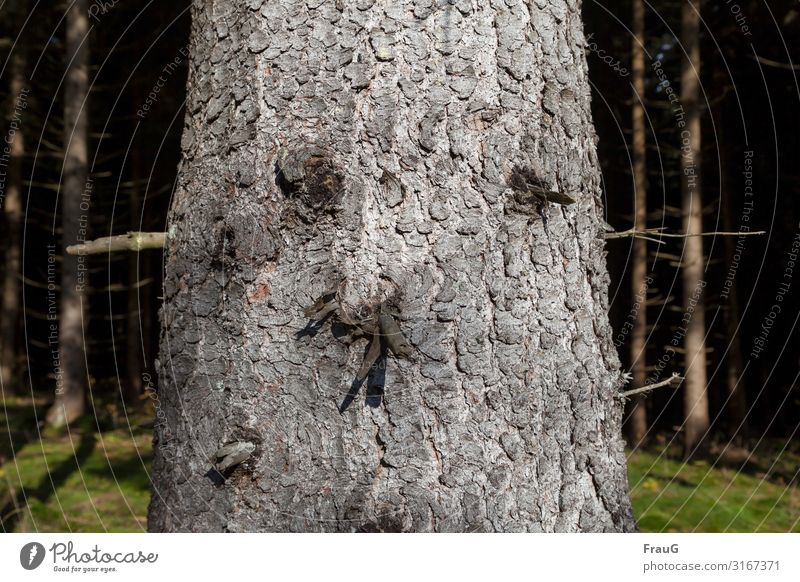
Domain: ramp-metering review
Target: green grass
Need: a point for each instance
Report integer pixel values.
(759, 495)
(89, 480)
(80, 481)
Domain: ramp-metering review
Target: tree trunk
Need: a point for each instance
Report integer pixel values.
(366, 149)
(75, 197)
(134, 339)
(695, 399)
(736, 401)
(638, 347)
(11, 203)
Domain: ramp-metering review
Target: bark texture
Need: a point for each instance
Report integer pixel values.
(71, 389)
(365, 147)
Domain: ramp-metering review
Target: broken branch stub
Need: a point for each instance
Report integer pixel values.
(133, 241)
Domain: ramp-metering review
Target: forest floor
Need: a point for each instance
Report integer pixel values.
(95, 477)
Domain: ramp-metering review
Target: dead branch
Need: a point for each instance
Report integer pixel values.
(133, 241)
(675, 379)
(659, 232)
(776, 64)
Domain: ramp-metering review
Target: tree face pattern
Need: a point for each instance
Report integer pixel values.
(355, 163)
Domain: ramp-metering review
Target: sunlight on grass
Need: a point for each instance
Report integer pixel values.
(670, 496)
(83, 481)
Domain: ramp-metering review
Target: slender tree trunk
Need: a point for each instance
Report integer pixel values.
(75, 194)
(734, 380)
(638, 345)
(133, 338)
(366, 150)
(695, 401)
(734, 366)
(11, 169)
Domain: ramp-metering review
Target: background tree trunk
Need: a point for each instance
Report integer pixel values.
(367, 147)
(695, 399)
(736, 401)
(134, 338)
(638, 346)
(70, 391)
(12, 220)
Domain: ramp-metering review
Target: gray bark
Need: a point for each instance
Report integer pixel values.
(367, 147)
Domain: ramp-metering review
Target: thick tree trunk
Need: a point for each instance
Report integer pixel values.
(11, 203)
(366, 148)
(638, 347)
(71, 386)
(695, 398)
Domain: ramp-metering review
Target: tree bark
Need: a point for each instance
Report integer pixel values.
(75, 192)
(365, 149)
(695, 401)
(11, 203)
(638, 346)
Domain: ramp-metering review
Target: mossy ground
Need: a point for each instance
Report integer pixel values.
(755, 494)
(93, 477)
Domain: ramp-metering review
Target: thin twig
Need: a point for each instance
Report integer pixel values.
(714, 233)
(674, 379)
(632, 232)
(777, 64)
(133, 241)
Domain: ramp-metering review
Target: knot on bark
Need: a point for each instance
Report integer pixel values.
(530, 189)
(308, 176)
(373, 320)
